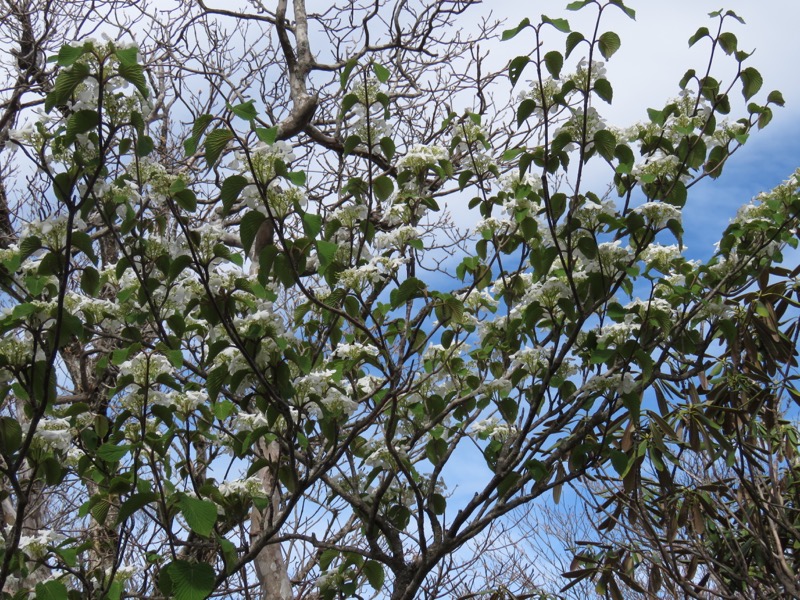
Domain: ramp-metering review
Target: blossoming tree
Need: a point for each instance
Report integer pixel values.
(249, 365)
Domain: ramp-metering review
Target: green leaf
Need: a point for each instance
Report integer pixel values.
(553, 61)
(345, 74)
(374, 573)
(134, 503)
(215, 143)
(245, 110)
(411, 288)
(268, 136)
(200, 515)
(560, 24)
(135, 74)
(248, 228)
(326, 251)
(230, 190)
(577, 5)
(620, 462)
(516, 67)
(65, 85)
(350, 144)
(67, 55)
(296, 177)
(388, 147)
(609, 43)
(383, 187)
(183, 580)
(381, 72)
(751, 82)
(573, 39)
(127, 56)
(186, 200)
(699, 35)
(312, 224)
(775, 97)
(510, 33)
(10, 435)
(728, 42)
(605, 143)
(602, 88)
(90, 281)
(111, 452)
(80, 122)
(51, 590)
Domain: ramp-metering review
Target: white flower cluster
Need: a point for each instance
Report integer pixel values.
(367, 119)
(35, 546)
(657, 165)
(584, 80)
(546, 294)
(355, 350)
(376, 270)
(494, 429)
(543, 95)
(53, 231)
(616, 334)
(245, 421)
(471, 147)
(614, 383)
(533, 360)
(420, 158)
(145, 368)
(611, 256)
(574, 126)
(658, 214)
(589, 212)
(661, 257)
(54, 433)
(249, 488)
(397, 238)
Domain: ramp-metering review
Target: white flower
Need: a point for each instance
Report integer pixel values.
(55, 433)
(250, 487)
(492, 428)
(658, 214)
(355, 350)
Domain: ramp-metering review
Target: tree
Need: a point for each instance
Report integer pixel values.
(245, 345)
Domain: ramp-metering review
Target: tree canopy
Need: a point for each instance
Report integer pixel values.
(247, 352)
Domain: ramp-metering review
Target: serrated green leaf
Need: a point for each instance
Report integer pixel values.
(326, 251)
(602, 88)
(699, 35)
(268, 136)
(133, 503)
(90, 281)
(51, 590)
(198, 128)
(10, 435)
(248, 228)
(516, 67)
(605, 142)
(183, 580)
(350, 144)
(186, 199)
(510, 33)
(560, 24)
(553, 61)
(775, 97)
(573, 39)
(215, 143)
(80, 122)
(727, 42)
(246, 110)
(374, 573)
(230, 190)
(609, 43)
(387, 147)
(408, 290)
(127, 56)
(111, 452)
(65, 85)
(383, 187)
(67, 55)
(200, 515)
(345, 74)
(134, 74)
(381, 72)
(577, 5)
(751, 82)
